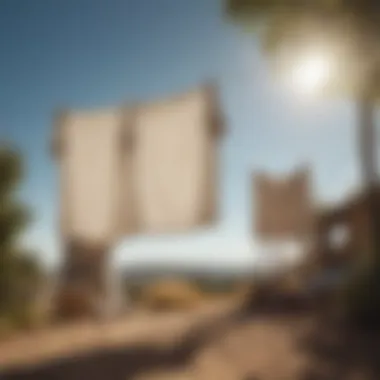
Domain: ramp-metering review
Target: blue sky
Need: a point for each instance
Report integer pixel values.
(90, 53)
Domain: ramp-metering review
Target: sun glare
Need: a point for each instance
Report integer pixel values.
(311, 74)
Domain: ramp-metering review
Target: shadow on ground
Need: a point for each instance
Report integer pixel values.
(123, 362)
(339, 353)
(333, 349)
(333, 352)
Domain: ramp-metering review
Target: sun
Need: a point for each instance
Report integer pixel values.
(311, 74)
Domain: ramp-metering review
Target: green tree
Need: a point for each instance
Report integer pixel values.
(351, 28)
(19, 271)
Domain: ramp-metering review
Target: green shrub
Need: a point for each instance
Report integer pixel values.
(19, 271)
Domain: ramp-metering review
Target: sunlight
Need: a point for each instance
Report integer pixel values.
(311, 74)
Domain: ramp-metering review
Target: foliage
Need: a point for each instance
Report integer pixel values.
(19, 272)
(288, 29)
(362, 11)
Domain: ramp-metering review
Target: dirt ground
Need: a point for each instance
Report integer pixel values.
(214, 344)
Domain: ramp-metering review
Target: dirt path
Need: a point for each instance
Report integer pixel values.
(156, 331)
(211, 344)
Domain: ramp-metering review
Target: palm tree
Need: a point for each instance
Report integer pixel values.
(351, 28)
